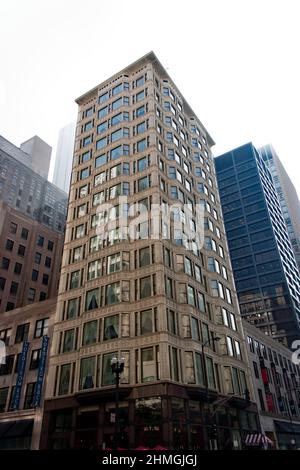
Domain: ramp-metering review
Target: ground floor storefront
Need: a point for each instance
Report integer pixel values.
(164, 415)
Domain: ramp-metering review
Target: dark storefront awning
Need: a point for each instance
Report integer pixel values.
(18, 428)
(288, 428)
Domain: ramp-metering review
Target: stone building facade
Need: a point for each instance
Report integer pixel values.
(165, 301)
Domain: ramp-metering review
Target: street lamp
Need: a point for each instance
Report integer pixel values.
(213, 339)
(117, 367)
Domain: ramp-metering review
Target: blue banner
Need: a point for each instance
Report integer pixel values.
(41, 373)
(15, 402)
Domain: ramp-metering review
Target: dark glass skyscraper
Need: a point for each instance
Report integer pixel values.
(264, 265)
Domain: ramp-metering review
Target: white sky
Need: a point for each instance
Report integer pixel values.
(235, 61)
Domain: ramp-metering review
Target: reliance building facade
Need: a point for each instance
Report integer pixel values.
(156, 291)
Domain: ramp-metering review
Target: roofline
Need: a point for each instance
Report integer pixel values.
(149, 57)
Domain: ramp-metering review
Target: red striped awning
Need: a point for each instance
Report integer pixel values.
(257, 439)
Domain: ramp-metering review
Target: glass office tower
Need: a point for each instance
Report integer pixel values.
(287, 195)
(264, 265)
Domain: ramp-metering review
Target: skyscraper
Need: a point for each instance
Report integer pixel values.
(40, 155)
(64, 157)
(32, 221)
(165, 306)
(287, 195)
(265, 270)
(27, 191)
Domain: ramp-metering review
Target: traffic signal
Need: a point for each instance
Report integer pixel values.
(213, 432)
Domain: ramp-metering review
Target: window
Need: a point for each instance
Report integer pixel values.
(98, 198)
(79, 231)
(35, 359)
(50, 245)
(9, 245)
(22, 333)
(116, 104)
(191, 295)
(14, 288)
(85, 173)
(37, 258)
(229, 346)
(5, 336)
(64, 380)
(31, 294)
(68, 344)
(172, 322)
(169, 287)
(81, 210)
(102, 112)
(41, 328)
(145, 287)
(85, 157)
(13, 228)
(72, 308)
(2, 283)
(144, 256)
(87, 371)
(236, 382)
(40, 240)
(10, 306)
(24, 233)
(5, 263)
(195, 329)
(210, 373)
(112, 294)
(7, 368)
(94, 269)
(92, 299)
(111, 327)
(255, 368)
(142, 164)
(113, 263)
(143, 183)
(21, 250)
(90, 333)
(107, 376)
(75, 279)
(148, 369)
(146, 322)
(141, 145)
(140, 111)
(87, 141)
(45, 279)
(174, 362)
(104, 97)
(47, 262)
(83, 191)
(29, 395)
(101, 143)
(102, 127)
(88, 112)
(139, 81)
(3, 398)
(140, 96)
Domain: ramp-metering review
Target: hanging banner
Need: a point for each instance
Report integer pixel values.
(41, 373)
(15, 402)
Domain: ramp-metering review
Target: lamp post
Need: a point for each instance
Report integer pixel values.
(213, 339)
(117, 367)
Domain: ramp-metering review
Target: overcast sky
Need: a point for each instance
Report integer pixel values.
(235, 61)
